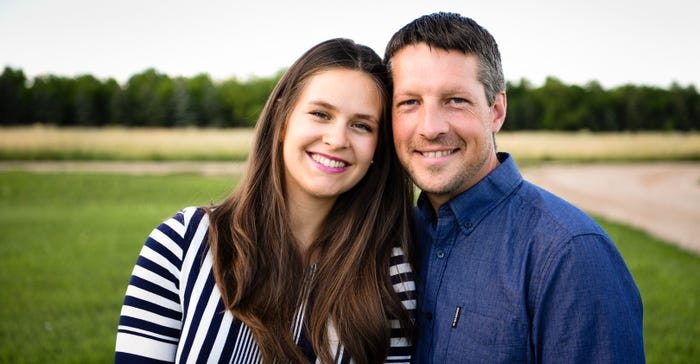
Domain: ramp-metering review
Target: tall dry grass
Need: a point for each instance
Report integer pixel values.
(51, 143)
(600, 147)
(41, 142)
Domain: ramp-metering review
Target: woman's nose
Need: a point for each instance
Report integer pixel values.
(336, 135)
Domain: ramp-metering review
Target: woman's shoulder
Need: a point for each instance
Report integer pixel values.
(185, 229)
(190, 217)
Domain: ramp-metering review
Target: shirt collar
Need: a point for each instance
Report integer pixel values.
(470, 207)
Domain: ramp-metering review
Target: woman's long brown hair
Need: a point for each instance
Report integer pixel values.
(257, 265)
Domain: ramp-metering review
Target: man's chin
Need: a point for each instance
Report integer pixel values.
(436, 189)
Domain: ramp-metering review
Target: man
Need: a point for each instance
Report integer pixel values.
(507, 271)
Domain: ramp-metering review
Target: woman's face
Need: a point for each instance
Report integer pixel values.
(331, 134)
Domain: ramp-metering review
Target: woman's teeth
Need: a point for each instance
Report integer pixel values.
(328, 162)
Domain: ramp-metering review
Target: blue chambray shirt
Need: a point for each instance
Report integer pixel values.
(509, 273)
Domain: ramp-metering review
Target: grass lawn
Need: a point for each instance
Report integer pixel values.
(69, 242)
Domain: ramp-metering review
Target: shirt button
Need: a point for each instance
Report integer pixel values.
(429, 315)
(440, 254)
(468, 224)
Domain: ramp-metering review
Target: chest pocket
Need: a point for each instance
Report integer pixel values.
(477, 338)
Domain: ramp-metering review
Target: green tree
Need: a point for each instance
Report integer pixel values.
(563, 106)
(206, 101)
(52, 100)
(524, 110)
(685, 105)
(13, 97)
(600, 115)
(183, 112)
(642, 107)
(89, 102)
(245, 100)
(148, 99)
(212, 107)
(115, 103)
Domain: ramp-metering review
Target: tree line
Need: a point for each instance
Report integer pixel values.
(153, 99)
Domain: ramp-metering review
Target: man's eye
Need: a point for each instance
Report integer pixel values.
(458, 100)
(407, 103)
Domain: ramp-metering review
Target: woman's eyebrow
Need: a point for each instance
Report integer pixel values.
(330, 106)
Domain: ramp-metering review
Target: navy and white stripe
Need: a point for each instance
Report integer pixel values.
(173, 312)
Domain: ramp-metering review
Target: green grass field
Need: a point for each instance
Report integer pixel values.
(69, 242)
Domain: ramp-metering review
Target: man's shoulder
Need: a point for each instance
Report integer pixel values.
(554, 212)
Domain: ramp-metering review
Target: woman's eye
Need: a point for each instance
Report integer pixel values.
(362, 126)
(320, 115)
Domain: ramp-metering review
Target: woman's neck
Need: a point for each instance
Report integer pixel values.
(307, 217)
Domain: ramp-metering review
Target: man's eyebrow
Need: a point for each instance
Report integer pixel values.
(459, 91)
(399, 92)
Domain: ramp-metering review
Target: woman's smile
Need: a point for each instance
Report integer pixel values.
(329, 163)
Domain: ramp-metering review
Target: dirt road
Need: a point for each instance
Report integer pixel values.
(662, 199)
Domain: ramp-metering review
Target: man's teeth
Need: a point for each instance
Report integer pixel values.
(437, 154)
(328, 162)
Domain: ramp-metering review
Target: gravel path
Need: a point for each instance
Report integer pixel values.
(662, 199)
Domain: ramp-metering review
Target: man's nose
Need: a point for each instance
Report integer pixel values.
(434, 121)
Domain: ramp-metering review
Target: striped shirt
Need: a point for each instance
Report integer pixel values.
(173, 312)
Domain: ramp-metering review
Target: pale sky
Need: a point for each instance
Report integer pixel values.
(615, 42)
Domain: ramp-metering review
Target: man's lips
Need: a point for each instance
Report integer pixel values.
(436, 153)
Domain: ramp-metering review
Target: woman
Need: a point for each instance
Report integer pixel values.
(306, 260)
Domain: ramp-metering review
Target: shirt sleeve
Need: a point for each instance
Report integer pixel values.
(404, 284)
(587, 308)
(150, 321)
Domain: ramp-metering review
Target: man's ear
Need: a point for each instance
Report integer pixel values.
(498, 112)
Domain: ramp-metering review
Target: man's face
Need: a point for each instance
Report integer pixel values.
(443, 124)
